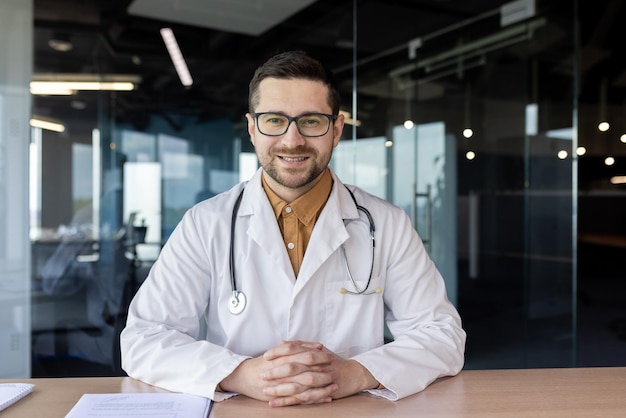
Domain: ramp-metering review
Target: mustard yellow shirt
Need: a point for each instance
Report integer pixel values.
(297, 219)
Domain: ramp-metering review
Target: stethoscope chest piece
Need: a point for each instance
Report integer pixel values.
(237, 302)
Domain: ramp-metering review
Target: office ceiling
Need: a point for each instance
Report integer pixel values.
(122, 37)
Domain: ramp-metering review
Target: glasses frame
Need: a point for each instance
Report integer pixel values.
(331, 119)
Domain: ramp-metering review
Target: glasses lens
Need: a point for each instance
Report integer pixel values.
(272, 123)
(312, 124)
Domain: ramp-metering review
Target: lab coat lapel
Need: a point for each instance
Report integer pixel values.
(263, 228)
(329, 232)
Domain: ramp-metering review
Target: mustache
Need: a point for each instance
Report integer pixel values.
(299, 150)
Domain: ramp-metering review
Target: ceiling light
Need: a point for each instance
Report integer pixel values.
(65, 84)
(50, 90)
(70, 87)
(60, 42)
(618, 180)
(603, 126)
(177, 57)
(46, 124)
(348, 118)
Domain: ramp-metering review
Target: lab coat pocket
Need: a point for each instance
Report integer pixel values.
(355, 313)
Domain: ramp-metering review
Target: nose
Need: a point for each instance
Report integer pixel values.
(292, 136)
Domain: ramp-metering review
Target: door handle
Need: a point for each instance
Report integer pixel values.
(427, 236)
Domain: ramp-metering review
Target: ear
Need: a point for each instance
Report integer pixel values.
(338, 129)
(251, 127)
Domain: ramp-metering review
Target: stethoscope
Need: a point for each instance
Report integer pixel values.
(237, 301)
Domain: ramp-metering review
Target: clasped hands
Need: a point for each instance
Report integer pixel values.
(298, 372)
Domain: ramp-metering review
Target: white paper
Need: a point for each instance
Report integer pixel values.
(162, 405)
(13, 392)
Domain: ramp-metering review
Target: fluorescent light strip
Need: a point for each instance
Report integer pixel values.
(50, 91)
(69, 87)
(43, 124)
(177, 57)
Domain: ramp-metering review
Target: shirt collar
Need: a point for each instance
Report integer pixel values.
(306, 207)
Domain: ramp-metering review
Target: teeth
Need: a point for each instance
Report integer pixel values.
(293, 159)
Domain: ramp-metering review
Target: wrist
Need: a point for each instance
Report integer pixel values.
(368, 380)
(233, 382)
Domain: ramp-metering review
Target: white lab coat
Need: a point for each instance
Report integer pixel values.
(191, 281)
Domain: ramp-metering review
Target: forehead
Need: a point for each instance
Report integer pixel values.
(294, 94)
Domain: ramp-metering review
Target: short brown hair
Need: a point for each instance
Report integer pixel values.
(293, 65)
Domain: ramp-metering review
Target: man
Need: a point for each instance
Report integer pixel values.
(293, 289)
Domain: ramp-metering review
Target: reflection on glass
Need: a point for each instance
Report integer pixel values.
(364, 162)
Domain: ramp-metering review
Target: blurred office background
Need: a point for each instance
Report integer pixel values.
(500, 127)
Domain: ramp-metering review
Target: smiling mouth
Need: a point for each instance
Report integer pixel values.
(293, 159)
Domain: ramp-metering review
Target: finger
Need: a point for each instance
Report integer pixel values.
(290, 351)
(310, 396)
(316, 345)
(297, 363)
(288, 348)
(300, 374)
(313, 346)
(284, 370)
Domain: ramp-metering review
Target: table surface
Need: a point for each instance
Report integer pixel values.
(568, 392)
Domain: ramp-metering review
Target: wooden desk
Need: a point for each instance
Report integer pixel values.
(582, 392)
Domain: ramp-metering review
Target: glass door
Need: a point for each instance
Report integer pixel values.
(424, 184)
(478, 148)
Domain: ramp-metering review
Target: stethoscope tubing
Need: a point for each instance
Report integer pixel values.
(237, 301)
(372, 230)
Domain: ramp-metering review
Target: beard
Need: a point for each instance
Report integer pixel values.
(297, 177)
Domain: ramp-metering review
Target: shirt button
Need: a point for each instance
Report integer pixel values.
(288, 209)
(291, 246)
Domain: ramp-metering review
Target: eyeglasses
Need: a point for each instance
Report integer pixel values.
(308, 124)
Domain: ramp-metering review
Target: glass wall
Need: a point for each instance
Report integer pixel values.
(470, 117)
